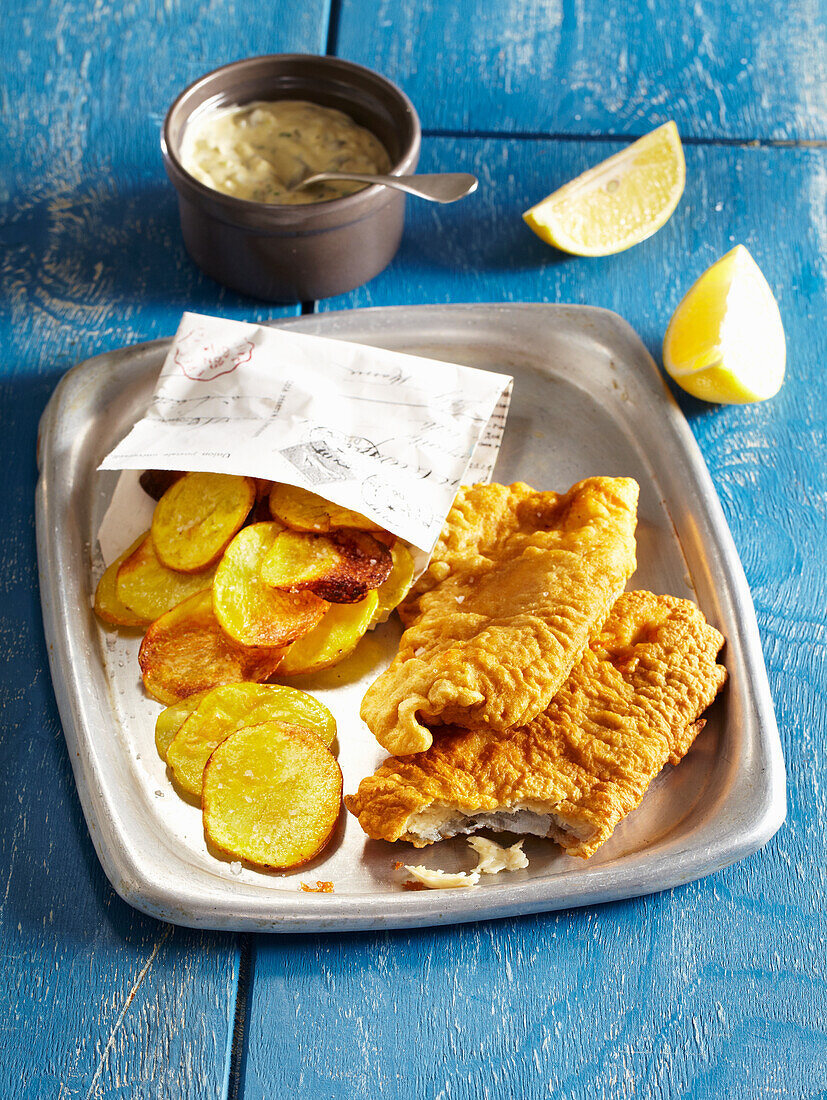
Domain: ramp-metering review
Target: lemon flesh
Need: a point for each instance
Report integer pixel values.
(725, 342)
(618, 203)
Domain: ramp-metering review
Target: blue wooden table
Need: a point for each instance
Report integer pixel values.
(714, 989)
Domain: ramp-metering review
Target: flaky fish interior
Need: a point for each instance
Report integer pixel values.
(518, 584)
(631, 705)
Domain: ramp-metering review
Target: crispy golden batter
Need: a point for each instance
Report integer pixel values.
(518, 583)
(628, 708)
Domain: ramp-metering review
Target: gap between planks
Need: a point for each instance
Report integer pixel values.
(333, 17)
(738, 143)
(241, 1019)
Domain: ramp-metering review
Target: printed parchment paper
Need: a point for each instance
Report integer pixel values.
(387, 434)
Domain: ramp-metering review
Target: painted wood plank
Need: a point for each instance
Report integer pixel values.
(717, 988)
(747, 70)
(88, 84)
(96, 1000)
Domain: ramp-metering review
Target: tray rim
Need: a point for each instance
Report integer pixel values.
(281, 912)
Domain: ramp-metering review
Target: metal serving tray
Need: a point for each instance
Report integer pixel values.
(588, 399)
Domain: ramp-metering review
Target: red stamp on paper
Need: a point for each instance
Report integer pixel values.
(203, 358)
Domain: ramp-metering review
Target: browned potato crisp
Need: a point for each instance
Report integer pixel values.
(394, 590)
(171, 719)
(107, 605)
(271, 795)
(249, 610)
(196, 518)
(336, 636)
(226, 709)
(149, 588)
(341, 567)
(185, 651)
(305, 511)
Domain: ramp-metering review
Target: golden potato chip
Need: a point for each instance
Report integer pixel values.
(196, 518)
(332, 640)
(305, 511)
(150, 589)
(299, 558)
(271, 795)
(398, 584)
(250, 611)
(231, 707)
(156, 482)
(186, 651)
(341, 567)
(107, 605)
(171, 719)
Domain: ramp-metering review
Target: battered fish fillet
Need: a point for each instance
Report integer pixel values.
(628, 708)
(518, 583)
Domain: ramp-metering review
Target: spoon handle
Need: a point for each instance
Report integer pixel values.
(439, 187)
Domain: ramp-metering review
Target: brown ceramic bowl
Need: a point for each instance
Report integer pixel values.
(295, 253)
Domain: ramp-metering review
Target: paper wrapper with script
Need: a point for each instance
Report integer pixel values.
(389, 435)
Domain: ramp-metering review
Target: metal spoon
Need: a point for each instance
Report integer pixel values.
(439, 187)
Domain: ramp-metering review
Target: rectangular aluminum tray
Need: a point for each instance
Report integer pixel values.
(588, 399)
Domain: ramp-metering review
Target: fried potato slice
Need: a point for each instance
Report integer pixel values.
(156, 482)
(196, 518)
(171, 719)
(231, 707)
(305, 511)
(149, 589)
(341, 567)
(250, 611)
(398, 584)
(107, 605)
(272, 795)
(336, 636)
(186, 651)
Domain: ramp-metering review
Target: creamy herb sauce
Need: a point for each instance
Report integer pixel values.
(261, 150)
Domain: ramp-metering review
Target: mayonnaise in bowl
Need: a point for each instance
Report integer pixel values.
(261, 150)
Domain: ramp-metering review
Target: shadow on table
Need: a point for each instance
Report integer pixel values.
(55, 892)
(101, 247)
(474, 235)
(91, 253)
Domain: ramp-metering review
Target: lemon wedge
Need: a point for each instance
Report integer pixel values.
(725, 341)
(618, 203)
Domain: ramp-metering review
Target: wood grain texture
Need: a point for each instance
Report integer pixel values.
(718, 988)
(624, 1000)
(96, 1000)
(745, 70)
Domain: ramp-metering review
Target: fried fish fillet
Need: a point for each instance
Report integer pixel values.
(631, 705)
(518, 583)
